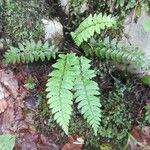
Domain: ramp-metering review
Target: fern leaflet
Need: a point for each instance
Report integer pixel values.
(59, 88)
(91, 25)
(30, 51)
(86, 92)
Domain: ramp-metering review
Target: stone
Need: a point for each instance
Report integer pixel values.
(53, 31)
(66, 4)
(137, 37)
(136, 33)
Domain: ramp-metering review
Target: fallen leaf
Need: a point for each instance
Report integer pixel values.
(3, 106)
(74, 143)
(139, 139)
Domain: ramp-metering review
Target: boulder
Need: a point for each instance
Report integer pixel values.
(137, 36)
(135, 32)
(53, 31)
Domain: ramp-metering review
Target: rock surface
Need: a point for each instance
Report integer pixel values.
(135, 32)
(65, 4)
(53, 31)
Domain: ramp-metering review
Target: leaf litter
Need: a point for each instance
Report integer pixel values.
(13, 117)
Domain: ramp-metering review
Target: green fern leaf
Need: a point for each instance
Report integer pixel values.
(86, 92)
(91, 25)
(59, 88)
(30, 51)
(7, 142)
(117, 52)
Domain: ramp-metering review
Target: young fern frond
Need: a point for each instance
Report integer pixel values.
(73, 73)
(59, 88)
(117, 52)
(30, 51)
(86, 92)
(90, 25)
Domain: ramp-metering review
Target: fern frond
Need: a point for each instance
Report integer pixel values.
(59, 88)
(86, 92)
(117, 52)
(30, 51)
(91, 25)
(73, 73)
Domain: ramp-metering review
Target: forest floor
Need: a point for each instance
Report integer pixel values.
(21, 115)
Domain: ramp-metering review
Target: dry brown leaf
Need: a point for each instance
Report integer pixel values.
(8, 84)
(74, 143)
(140, 139)
(3, 106)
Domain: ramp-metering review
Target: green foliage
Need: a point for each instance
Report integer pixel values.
(7, 142)
(71, 79)
(29, 83)
(30, 51)
(147, 114)
(118, 7)
(73, 73)
(116, 118)
(146, 79)
(22, 19)
(90, 25)
(113, 50)
(117, 115)
(76, 6)
(59, 88)
(105, 147)
(147, 25)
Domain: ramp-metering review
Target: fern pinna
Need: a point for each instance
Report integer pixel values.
(30, 51)
(73, 73)
(90, 25)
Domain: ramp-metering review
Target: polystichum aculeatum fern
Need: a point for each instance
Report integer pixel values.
(90, 25)
(117, 52)
(30, 51)
(73, 73)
